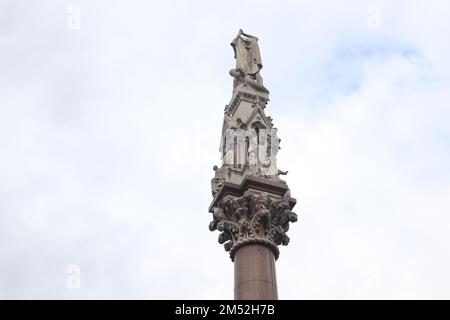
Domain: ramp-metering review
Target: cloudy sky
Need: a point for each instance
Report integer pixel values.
(110, 120)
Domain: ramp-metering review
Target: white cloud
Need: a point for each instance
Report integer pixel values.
(108, 135)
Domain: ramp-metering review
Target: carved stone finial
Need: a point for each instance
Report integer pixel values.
(252, 218)
(248, 61)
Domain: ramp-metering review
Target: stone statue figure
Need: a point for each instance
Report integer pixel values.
(248, 61)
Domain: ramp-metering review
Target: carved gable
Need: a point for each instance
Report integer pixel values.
(258, 119)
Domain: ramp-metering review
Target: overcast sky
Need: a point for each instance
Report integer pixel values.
(110, 126)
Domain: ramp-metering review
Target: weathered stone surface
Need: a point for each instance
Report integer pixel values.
(248, 61)
(251, 205)
(254, 218)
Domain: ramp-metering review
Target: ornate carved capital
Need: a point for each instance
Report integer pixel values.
(254, 217)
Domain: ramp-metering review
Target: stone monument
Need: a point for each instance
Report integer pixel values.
(252, 205)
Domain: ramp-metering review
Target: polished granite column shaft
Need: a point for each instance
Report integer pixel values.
(254, 273)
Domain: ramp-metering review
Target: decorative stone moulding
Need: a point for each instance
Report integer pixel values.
(256, 212)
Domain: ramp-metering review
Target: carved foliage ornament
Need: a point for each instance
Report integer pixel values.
(252, 218)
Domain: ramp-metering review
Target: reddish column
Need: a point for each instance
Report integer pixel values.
(254, 273)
